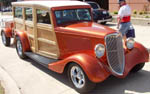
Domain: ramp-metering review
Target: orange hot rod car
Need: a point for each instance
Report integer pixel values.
(63, 37)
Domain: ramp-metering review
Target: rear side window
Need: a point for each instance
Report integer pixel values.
(18, 12)
(43, 17)
(28, 14)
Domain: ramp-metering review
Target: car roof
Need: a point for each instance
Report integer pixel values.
(49, 4)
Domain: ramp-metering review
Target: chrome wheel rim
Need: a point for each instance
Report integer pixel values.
(3, 38)
(77, 77)
(19, 47)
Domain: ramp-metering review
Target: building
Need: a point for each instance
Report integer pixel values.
(138, 5)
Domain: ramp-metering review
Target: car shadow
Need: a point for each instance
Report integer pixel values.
(135, 82)
(57, 76)
(12, 46)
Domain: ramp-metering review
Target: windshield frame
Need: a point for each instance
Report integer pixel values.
(71, 22)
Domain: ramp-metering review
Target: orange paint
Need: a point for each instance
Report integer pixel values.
(24, 40)
(76, 43)
(8, 29)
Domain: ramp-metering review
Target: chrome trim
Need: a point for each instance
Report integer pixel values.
(77, 77)
(123, 63)
(104, 20)
(96, 51)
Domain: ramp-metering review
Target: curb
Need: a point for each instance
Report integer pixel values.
(10, 87)
(136, 21)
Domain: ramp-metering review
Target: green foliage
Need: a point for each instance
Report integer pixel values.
(7, 2)
(141, 13)
(134, 12)
(115, 12)
(147, 16)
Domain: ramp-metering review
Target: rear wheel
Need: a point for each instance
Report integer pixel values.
(79, 79)
(19, 48)
(5, 39)
(137, 67)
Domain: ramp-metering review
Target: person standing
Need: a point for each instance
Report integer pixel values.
(124, 17)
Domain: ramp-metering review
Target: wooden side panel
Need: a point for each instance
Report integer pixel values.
(47, 48)
(19, 24)
(45, 34)
(46, 41)
(32, 44)
(30, 32)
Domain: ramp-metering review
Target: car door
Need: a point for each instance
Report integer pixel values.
(46, 43)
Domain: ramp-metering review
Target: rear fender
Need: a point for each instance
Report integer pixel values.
(24, 40)
(8, 32)
(92, 67)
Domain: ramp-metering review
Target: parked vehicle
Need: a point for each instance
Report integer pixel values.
(6, 25)
(100, 15)
(62, 36)
(7, 9)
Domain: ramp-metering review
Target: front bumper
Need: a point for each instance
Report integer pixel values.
(104, 20)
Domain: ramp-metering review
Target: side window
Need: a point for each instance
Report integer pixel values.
(18, 12)
(43, 17)
(28, 14)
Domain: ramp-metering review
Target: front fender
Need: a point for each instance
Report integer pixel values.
(24, 40)
(139, 54)
(95, 71)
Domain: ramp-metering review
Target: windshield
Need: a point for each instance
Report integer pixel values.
(94, 5)
(72, 15)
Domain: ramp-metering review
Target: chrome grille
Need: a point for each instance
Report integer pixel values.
(115, 53)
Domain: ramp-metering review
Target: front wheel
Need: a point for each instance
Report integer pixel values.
(137, 67)
(19, 48)
(79, 79)
(5, 39)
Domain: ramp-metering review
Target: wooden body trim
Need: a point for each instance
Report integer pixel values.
(32, 29)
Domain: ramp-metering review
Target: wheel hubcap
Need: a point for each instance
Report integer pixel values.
(19, 47)
(3, 38)
(77, 77)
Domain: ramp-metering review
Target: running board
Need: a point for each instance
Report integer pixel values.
(40, 59)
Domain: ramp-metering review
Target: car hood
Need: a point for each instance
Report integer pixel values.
(87, 29)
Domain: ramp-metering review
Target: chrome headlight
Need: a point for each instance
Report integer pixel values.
(99, 50)
(130, 43)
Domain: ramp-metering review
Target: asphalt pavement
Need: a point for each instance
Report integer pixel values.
(28, 77)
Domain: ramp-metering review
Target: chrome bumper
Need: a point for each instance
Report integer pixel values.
(105, 20)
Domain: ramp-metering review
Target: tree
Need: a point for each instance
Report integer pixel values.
(7, 2)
